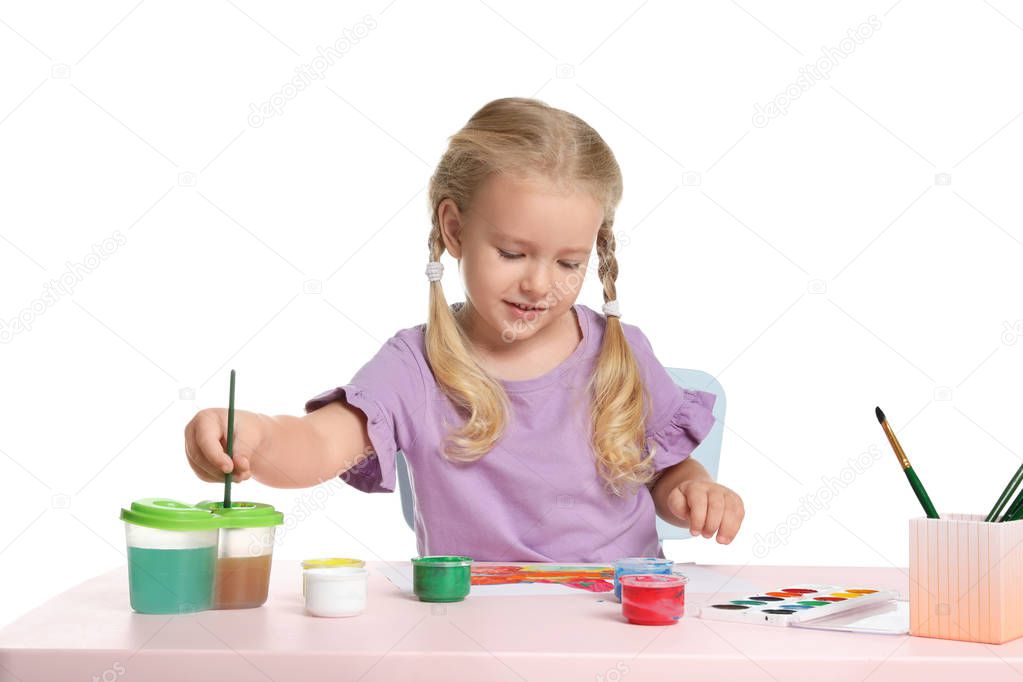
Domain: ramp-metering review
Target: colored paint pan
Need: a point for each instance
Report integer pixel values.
(804, 603)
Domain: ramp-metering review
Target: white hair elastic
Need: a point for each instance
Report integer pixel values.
(611, 309)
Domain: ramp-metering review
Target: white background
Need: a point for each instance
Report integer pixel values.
(818, 265)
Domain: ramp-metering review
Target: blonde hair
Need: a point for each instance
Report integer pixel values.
(525, 138)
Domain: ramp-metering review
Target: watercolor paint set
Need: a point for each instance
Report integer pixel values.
(799, 604)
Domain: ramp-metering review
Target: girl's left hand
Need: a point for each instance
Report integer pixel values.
(709, 508)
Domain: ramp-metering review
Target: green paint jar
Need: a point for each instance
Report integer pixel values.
(441, 578)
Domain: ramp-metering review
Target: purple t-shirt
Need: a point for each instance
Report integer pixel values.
(537, 495)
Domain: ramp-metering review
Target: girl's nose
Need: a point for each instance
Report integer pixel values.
(538, 279)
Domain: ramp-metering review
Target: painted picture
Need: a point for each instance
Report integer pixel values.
(583, 577)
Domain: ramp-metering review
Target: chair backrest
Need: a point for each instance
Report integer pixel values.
(707, 453)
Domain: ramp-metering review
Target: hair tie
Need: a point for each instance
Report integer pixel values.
(611, 309)
(434, 270)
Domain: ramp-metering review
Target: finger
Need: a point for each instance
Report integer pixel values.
(211, 449)
(202, 468)
(677, 505)
(241, 464)
(202, 473)
(715, 510)
(241, 467)
(239, 471)
(696, 498)
(734, 513)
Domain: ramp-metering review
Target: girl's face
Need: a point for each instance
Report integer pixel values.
(520, 242)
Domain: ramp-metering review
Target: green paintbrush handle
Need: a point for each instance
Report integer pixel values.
(1003, 499)
(1013, 512)
(230, 443)
(921, 494)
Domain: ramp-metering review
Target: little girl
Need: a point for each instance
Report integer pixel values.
(535, 428)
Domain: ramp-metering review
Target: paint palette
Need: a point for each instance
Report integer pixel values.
(798, 604)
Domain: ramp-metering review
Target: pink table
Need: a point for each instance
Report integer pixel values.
(90, 632)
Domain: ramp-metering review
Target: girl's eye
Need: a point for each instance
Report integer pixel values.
(513, 256)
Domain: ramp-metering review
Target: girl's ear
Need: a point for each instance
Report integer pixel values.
(450, 220)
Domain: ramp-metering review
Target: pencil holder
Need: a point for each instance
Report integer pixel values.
(966, 578)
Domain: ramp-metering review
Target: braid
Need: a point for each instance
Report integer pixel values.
(607, 269)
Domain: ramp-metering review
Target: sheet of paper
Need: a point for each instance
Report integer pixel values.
(701, 579)
(400, 574)
(706, 580)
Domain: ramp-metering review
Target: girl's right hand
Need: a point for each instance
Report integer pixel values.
(206, 444)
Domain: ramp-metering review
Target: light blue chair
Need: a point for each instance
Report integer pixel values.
(707, 453)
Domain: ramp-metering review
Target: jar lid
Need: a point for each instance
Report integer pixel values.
(336, 573)
(164, 514)
(644, 561)
(244, 514)
(656, 580)
(438, 560)
(332, 562)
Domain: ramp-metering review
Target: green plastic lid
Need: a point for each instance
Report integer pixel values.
(243, 514)
(164, 514)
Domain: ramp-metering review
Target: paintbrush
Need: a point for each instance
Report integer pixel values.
(914, 481)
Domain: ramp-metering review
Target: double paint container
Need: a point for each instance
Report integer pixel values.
(244, 554)
(335, 591)
(441, 578)
(636, 565)
(172, 554)
(653, 599)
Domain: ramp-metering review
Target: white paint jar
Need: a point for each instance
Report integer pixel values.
(335, 592)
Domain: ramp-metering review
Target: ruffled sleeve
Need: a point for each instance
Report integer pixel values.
(689, 423)
(389, 390)
(680, 418)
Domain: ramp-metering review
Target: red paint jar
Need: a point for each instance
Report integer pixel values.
(649, 599)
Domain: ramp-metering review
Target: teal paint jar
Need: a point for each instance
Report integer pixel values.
(172, 556)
